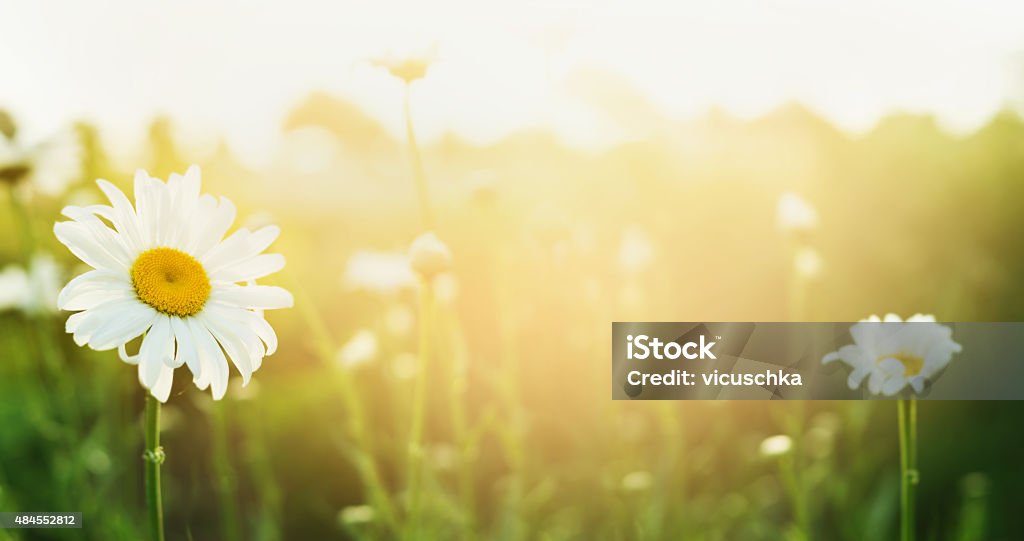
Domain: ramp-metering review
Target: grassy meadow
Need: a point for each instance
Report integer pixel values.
(550, 244)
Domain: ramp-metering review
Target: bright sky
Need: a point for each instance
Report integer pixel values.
(234, 68)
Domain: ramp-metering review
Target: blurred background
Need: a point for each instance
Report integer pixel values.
(586, 162)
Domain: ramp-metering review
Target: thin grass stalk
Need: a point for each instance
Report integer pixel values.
(417, 163)
(419, 406)
(153, 457)
(906, 471)
(364, 461)
(460, 424)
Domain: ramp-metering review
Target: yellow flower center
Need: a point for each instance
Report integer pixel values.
(912, 364)
(170, 281)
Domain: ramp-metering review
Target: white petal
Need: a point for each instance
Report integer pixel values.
(186, 351)
(156, 347)
(122, 352)
(894, 385)
(212, 357)
(857, 376)
(87, 247)
(250, 269)
(93, 289)
(84, 324)
(162, 388)
(240, 246)
(254, 321)
(128, 325)
(221, 219)
(232, 338)
(253, 297)
(125, 221)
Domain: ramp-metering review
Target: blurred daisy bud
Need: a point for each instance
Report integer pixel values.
(409, 68)
(807, 263)
(359, 350)
(794, 214)
(356, 514)
(776, 445)
(428, 256)
(637, 481)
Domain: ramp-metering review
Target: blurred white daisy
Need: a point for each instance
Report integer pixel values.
(408, 68)
(361, 349)
(893, 354)
(773, 446)
(795, 214)
(166, 271)
(807, 263)
(637, 481)
(48, 166)
(33, 291)
(378, 272)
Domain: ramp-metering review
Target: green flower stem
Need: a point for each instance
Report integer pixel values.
(226, 478)
(419, 404)
(908, 466)
(795, 492)
(153, 458)
(417, 164)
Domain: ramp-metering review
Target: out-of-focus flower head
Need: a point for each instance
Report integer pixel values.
(409, 67)
(893, 354)
(47, 166)
(807, 263)
(361, 349)
(428, 256)
(636, 251)
(794, 214)
(379, 272)
(637, 481)
(776, 445)
(356, 514)
(33, 291)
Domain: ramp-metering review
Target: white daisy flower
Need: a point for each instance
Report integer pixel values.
(166, 272)
(773, 446)
(48, 165)
(361, 349)
(892, 354)
(33, 291)
(795, 214)
(379, 272)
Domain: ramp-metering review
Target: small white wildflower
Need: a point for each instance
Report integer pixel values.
(893, 354)
(776, 445)
(637, 481)
(379, 272)
(356, 514)
(361, 349)
(795, 214)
